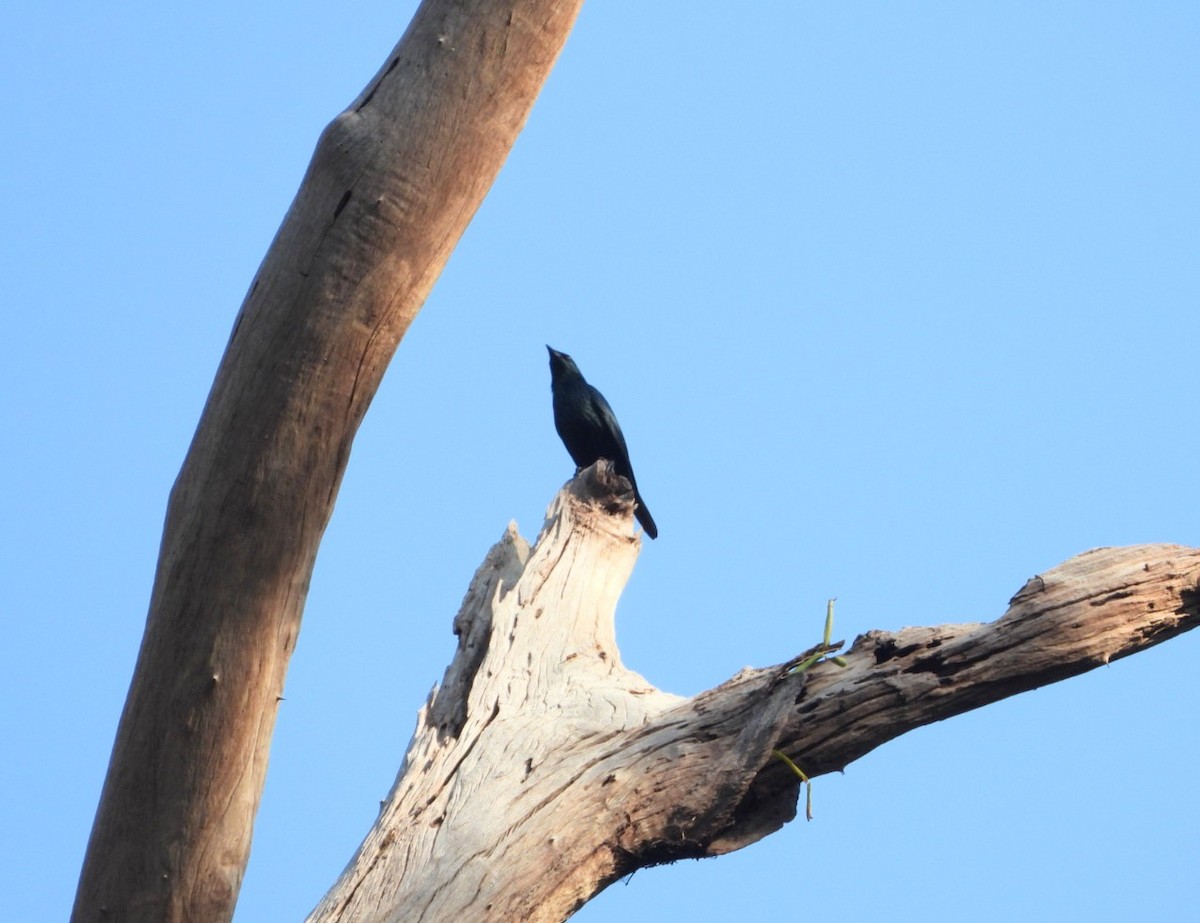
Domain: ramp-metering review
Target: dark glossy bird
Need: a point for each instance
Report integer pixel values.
(589, 428)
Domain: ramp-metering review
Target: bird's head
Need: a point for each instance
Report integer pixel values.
(561, 365)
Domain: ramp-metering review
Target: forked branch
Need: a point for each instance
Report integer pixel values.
(543, 769)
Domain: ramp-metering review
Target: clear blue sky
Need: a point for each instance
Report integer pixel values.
(896, 303)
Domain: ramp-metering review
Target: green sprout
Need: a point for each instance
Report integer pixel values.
(823, 650)
(807, 660)
(804, 780)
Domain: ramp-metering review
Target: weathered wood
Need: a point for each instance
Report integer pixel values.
(392, 185)
(1097, 607)
(542, 770)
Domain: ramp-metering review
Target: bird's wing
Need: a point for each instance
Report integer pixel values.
(608, 419)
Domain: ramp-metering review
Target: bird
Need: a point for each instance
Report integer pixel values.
(589, 429)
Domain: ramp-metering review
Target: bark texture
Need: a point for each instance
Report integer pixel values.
(542, 769)
(392, 185)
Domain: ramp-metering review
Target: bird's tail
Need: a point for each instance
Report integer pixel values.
(643, 515)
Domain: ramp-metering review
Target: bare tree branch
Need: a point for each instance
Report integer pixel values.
(391, 187)
(542, 769)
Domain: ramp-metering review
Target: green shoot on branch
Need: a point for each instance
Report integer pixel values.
(819, 653)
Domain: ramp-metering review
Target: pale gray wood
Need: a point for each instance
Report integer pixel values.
(542, 769)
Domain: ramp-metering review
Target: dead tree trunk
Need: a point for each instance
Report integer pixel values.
(393, 182)
(542, 770)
